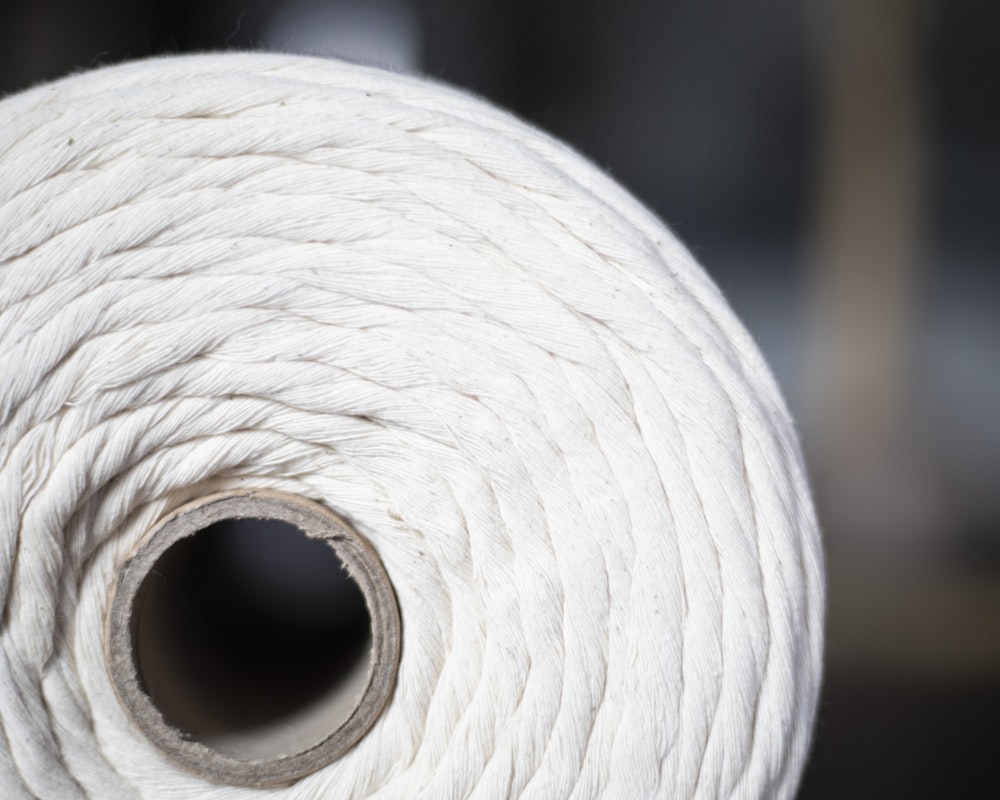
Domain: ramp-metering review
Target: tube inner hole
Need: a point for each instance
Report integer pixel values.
(251, 638)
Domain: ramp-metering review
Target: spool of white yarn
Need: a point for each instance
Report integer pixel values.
(368, 290)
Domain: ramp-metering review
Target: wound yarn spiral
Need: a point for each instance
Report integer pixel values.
(382, 294)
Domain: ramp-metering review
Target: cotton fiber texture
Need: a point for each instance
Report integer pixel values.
(384, 295)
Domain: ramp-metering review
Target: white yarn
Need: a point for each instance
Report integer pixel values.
(268, 271)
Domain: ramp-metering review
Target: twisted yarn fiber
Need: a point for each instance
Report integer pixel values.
(267, 271)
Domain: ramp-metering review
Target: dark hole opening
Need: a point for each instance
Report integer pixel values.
(251, 638)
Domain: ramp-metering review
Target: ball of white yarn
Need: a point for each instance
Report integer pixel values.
(367, 289)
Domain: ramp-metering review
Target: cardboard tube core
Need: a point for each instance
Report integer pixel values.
(254, 637)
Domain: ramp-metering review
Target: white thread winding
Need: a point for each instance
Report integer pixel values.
(260, 270)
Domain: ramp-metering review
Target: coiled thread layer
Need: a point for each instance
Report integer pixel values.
(236, 271)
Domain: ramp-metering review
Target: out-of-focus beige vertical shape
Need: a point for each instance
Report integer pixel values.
(896, 606)
(866, 248)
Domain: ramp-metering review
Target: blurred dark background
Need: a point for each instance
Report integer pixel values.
(835, 166)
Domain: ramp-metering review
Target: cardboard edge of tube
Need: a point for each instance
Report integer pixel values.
(362, 564)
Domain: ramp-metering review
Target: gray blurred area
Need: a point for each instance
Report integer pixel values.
(835, 166)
